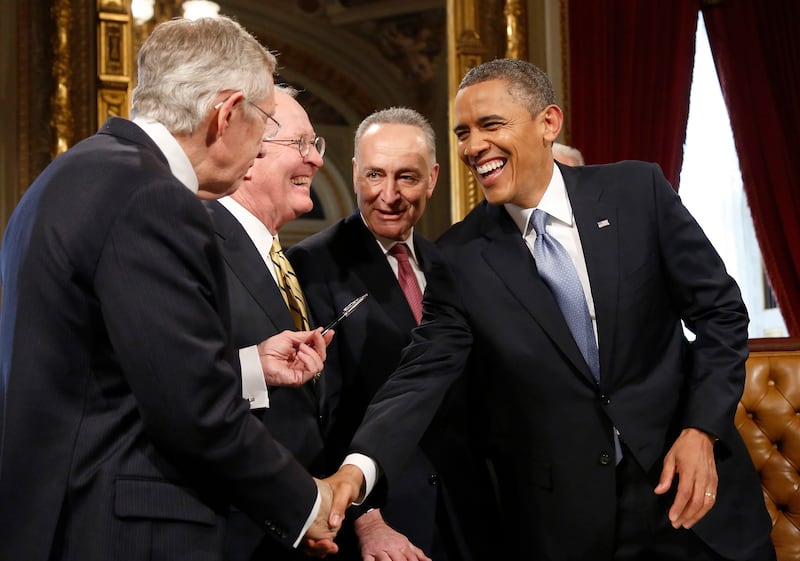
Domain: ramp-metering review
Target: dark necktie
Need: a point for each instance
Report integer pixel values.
(290, 287)
(558, 272)
(407, 279)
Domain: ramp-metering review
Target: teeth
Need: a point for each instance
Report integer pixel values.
(490, 166)
(301, 180)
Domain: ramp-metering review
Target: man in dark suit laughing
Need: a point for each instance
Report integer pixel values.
(558, 301)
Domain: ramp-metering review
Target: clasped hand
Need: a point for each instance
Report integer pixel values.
(337, 492)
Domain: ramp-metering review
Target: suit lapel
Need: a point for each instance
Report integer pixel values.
(374, 271)
(246, 264)
(598, 228)
(505, 251)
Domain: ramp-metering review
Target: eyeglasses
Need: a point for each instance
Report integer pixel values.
(271, 125)
(303, 144)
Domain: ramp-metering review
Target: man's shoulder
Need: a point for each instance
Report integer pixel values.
(469, 227)
(624, 168)
(326, 239)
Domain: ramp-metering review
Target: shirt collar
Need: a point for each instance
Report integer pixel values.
(386, 244)
(252, 225)
(554, 202)
(178, 161)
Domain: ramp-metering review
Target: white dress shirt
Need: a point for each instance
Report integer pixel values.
(254, 387)
(561, 225)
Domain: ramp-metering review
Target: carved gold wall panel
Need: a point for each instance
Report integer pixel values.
(465, 49)
(516, 36)
(61, 120)
(114, 59)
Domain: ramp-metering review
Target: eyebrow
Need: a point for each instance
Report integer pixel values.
(481, 121)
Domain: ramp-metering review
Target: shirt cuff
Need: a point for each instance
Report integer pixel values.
(254, 387)
(311, 518)
(369, 468)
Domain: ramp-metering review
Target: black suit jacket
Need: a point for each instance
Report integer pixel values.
(124, 435)
(336, 266)
(258, 311)
(541, 423)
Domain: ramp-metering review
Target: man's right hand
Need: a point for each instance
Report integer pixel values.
(348, 486)
(292, 358)
(318, 541)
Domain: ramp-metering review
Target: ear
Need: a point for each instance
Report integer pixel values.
(434, 177)
(553, 121)
(355, 176)
(225, 111)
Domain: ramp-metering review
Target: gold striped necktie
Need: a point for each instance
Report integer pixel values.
(290, 288)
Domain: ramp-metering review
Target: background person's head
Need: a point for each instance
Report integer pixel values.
(277, 188)
(394, 170)
(506, 121)
(567, 155)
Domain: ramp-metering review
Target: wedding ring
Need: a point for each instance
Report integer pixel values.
(710, 495)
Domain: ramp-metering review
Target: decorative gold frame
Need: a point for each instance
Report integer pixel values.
(114, 59)
(465, 49)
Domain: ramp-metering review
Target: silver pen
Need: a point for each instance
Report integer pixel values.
(345, 312)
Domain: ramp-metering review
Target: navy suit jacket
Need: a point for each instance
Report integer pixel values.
(538, 419)
(336, 266)
(258, 311)
(123, 431)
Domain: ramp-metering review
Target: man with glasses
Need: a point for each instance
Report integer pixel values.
(123, 434)
(275, 191)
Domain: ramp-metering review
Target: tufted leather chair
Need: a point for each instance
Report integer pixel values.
(768, 418)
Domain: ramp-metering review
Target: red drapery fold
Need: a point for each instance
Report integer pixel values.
(630, 75)
(758, 62)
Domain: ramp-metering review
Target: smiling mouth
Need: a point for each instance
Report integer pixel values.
(301, 181)
(484, 170)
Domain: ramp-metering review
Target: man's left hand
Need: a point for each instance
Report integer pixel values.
(692, 459)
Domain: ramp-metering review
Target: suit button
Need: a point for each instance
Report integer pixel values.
(605, 400)
(604, 459)
(433, 479)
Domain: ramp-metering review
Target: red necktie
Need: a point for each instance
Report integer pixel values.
(407, 279)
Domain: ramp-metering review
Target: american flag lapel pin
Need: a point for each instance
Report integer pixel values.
(603, 223)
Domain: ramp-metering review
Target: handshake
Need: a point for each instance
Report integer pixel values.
(336, 492)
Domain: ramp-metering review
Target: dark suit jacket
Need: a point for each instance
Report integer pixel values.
(336, 266)
(258, 311)
(542, 424)
(124, 435)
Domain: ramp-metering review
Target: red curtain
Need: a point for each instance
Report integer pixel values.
(630, 74)
(758, 62)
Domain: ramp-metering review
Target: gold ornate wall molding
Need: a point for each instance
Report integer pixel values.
(61, 119)
(114, 58)
(465, 49)
(516, 35)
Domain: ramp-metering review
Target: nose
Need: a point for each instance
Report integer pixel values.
(473, 146)
(390, 193)
(262, 149)
(314, 158)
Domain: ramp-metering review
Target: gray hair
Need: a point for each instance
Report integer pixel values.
(184, 64)
(399, 116)
(564, 151)
(287, 89)
(527, 83)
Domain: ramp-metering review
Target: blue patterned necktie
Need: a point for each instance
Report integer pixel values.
(559, 274)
